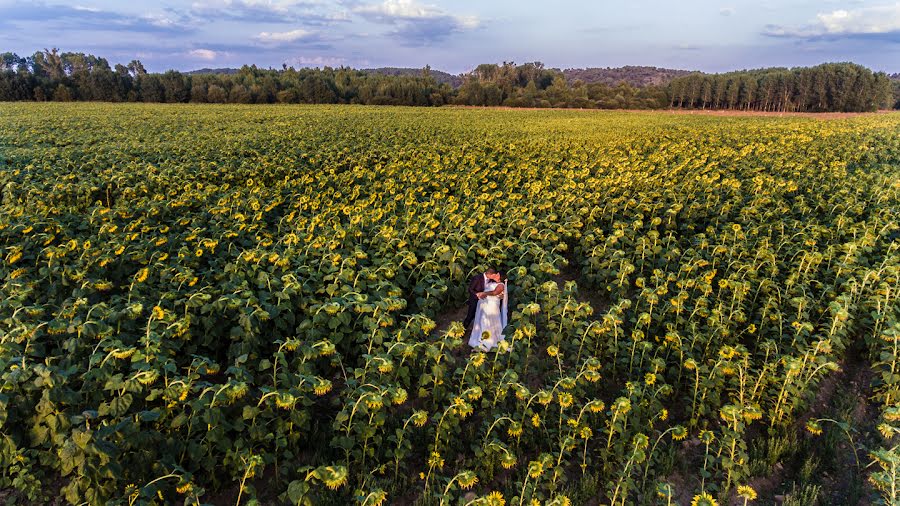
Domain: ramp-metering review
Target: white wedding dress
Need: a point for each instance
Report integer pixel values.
(490, 317)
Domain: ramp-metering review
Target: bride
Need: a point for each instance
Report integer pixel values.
(490, 315)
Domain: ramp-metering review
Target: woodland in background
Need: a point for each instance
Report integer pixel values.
(832, 87)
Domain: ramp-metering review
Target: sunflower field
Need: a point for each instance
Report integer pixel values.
(249, 305)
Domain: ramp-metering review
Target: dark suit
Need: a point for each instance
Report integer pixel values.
(476, 284)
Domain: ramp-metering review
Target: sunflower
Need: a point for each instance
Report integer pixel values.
(495, 498)
(142, 275)
(435, 460)
(704, 499)
(14, 257)
(467, 480)
(333, 476)
(747, 492)
(322, 387)
(400, 396)
(565, 399)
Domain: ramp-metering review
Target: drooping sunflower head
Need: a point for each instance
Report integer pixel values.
(467, 479)
(322, 386)
(621, 406)
(664, 490)
(399, 396)
(535, 469)
(333, 476)
(596, 406)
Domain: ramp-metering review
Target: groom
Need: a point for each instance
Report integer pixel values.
(476, 292)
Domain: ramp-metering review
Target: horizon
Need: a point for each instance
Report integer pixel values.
(711, 37)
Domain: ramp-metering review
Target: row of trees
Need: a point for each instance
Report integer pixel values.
(532, 85)
(841, 87)
(895, 79)
(51, 75)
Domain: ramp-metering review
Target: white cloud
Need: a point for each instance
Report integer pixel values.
(161, 21)
(203, 54)
(726, 11)
(872, 21)
(320, 61)
(283, 37)
(314, 12)
(393, 10)
(399, 9)
(210, 6)
(417, 23)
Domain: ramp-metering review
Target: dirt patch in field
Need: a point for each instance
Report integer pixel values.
(847, 392)
(450, 315)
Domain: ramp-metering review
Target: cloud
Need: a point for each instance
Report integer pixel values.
(726, 11)
(880, 22)
(89, 18)
(266, 11)
(414, 23)
(203, 54)
(284, 37)
(320, 61)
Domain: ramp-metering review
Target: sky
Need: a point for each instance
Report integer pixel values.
(455, 36)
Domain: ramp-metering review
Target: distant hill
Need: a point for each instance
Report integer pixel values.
(633, 75)
(225, 71)
(439, 76)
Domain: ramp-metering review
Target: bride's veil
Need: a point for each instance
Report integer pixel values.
(504, 304)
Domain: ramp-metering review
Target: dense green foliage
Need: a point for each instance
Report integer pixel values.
(636, 76)
(200, 299)
(441, 77)
(839, 87)
(63, 77)
(895, 82)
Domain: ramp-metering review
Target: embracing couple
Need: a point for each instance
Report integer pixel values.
(488, 303)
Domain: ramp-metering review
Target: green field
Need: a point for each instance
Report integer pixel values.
(221, 304)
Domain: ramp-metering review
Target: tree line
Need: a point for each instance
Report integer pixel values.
(50, 75)
(830, 87)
